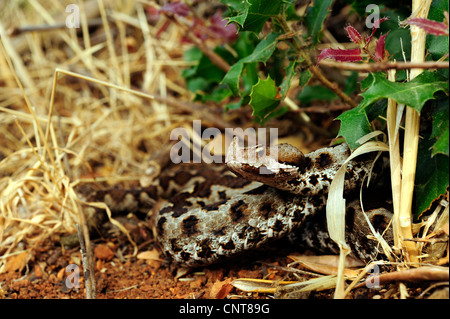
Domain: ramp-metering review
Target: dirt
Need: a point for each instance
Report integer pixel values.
(119, 275)
(45, 276)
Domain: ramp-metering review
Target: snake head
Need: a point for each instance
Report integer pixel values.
(266, 165)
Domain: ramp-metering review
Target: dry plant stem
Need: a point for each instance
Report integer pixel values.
(411, 142)
(110, 43)
(85, 31)
(332, 86)
(376, 67)
(108, 84)
(214, 57)
(420, 10)
(394, 159)
(86, 256)
(50, 27)
(206, 114)
(13, 57)
(190, 107)
(28, 104)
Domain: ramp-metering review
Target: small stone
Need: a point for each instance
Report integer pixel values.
(38, 273)
(103, 252)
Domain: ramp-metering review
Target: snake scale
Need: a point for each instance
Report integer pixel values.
(213, 214)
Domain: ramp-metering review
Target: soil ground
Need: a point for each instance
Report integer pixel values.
(119, 277)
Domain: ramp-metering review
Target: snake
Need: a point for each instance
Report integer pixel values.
(215, 213)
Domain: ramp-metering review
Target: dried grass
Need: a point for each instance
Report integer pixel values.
(55, 138)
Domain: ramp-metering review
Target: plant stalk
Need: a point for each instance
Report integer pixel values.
(393, 117)
(420, 9)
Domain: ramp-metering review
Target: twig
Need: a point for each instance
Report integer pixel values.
(86, 256)
(332, 86)
(49, 27)
(313, 68)
(433, 286)
(191, 107)
(427, 240)
(425, 273)
(214, 57)
(375, 67)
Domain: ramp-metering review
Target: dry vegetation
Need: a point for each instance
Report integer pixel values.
(82, 106)
(93, 129)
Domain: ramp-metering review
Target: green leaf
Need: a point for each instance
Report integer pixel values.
(232, 77)
(205, 75)
(440, 130)
(354, 125)
(367, 82)
(304, 77)
(251, 15)
(262, 53)
(432, 177)
(263, 50)
(437, 46)
(437, 9)
(291, 14)
(260, 11)
(264, 98)
(315, 17)
(233, 105)
(414, 93)
(351, 83)
(239, 11)
(441, 145)
(197, 84)
(217, 95)
(398, 43)
(290, 73)
(314, 93)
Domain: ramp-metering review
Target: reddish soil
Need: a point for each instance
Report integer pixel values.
(45, 276)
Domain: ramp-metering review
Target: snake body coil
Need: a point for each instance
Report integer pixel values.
(221, 215)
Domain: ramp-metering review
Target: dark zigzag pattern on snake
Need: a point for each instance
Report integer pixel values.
(211, 214)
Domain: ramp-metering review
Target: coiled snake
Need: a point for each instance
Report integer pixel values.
(217, 214)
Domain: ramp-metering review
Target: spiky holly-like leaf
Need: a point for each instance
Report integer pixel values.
(316, 16)
(414, 93)
(262, 53)
(265, 98)
(380, 49)
(250, 15)
(340, 55)
(354, 35)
